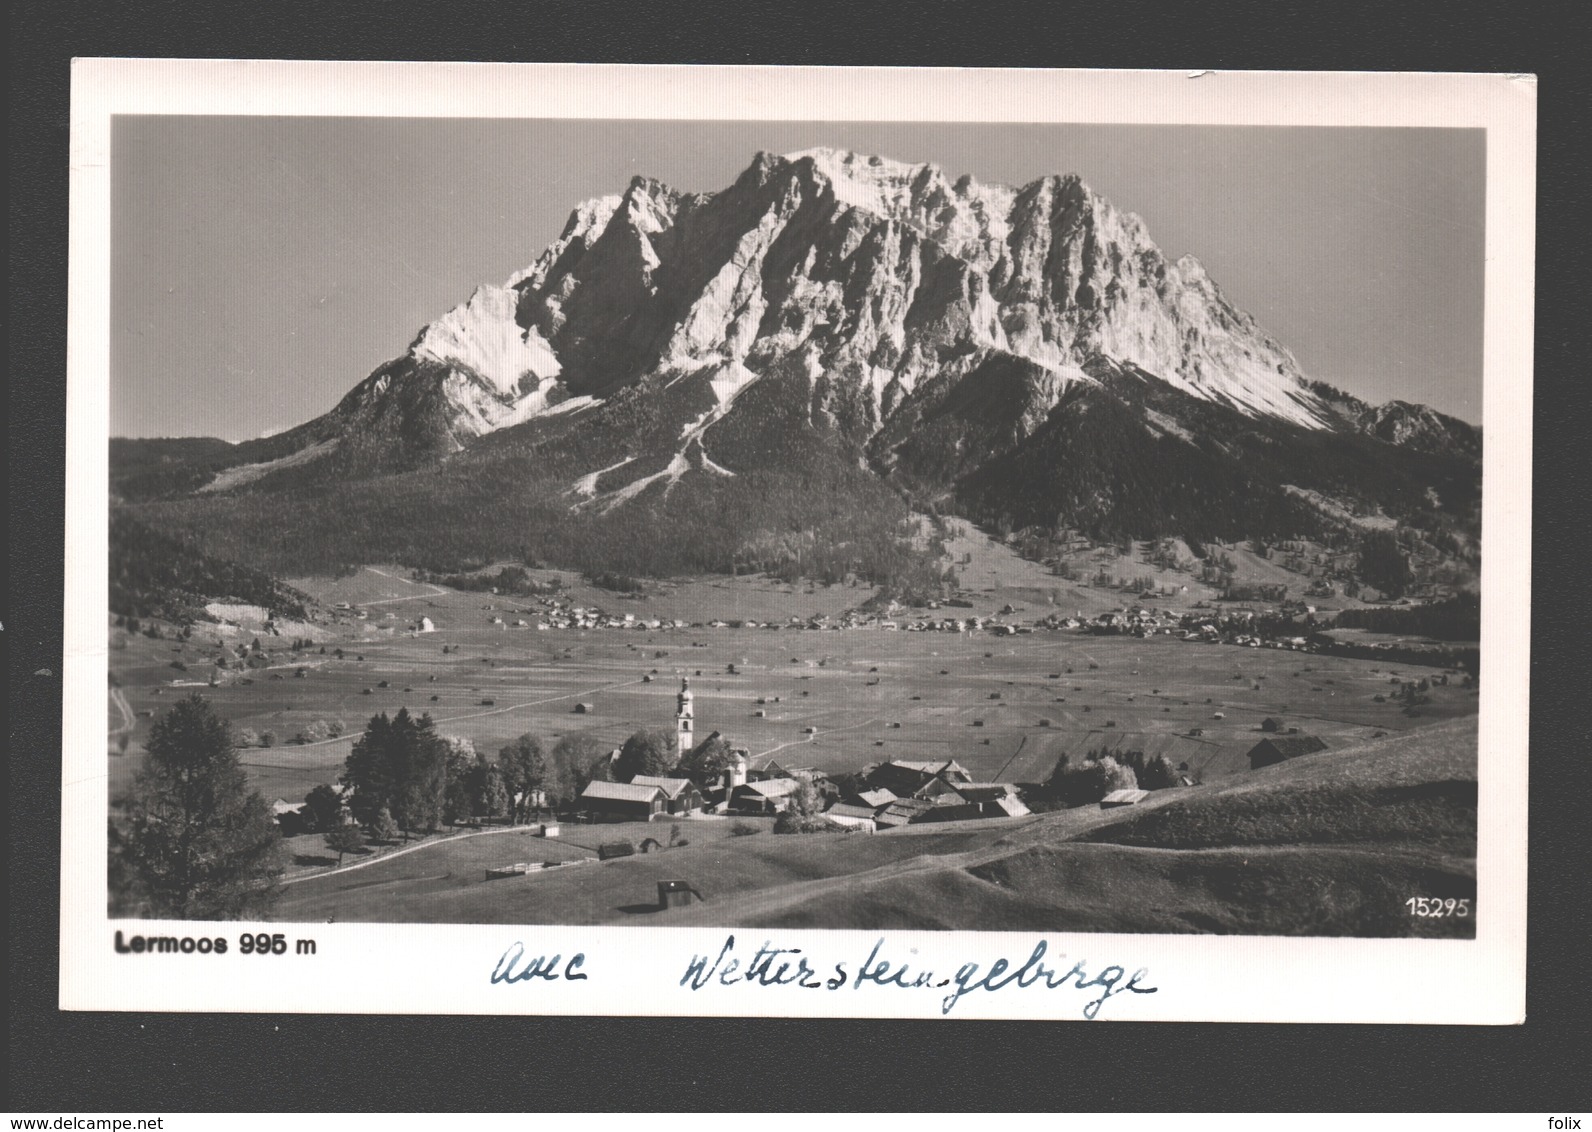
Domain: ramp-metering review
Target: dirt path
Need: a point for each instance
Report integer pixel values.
(119, 698)
(435, 591)
(1012, 838)
(809, 739)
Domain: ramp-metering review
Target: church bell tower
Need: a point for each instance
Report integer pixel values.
(684, 720)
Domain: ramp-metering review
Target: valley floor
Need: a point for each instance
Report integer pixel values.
(1006, 708)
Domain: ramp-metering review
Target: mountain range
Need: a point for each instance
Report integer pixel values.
(787, 368)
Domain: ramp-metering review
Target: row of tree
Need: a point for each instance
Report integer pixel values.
(402, 771)
(1086, 781)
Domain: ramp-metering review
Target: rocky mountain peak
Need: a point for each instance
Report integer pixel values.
(889, 293)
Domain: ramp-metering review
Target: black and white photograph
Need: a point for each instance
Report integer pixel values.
(853, 525)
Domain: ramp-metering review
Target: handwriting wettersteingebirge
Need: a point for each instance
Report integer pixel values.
(788, 966)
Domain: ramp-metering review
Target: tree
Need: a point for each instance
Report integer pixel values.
(645, 752)
(423, 778)
(1158, 773)
(1077, 784)
(457, 800)
(345, 839)
(368, 771)
(382, 827)
(268, 738)
(570, 767)
(1383, 565)
(198, 844)
(805, 801)
(323, 807)
(706, 765)
(525, 770)
(489, 792)
(803, 812)
(247, 738)
(399, 764)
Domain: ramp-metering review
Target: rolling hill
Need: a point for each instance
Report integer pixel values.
(1331, 844)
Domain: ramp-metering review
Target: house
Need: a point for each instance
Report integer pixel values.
(906, 778)
(1123, 798)
(1270, 751)
(681, 793)
(876, 799)
(940, 792)
(770, 796)
(903, 811)
(972, 800)
(289, 816)
(994, 799)
(852, 817)
(622, 801)
(1009, 806)
(900, 779)
(427, 625)
(951, 770)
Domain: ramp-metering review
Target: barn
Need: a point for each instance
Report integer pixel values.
(622, 801)
(876, 799)
(1281, 748)
(681, 794)
(903, 811)
(852, 817)
(770, 796)
(994, 799)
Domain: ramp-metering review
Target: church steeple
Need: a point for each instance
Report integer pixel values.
(684, 720)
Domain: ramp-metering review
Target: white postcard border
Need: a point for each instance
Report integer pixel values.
(368, 968)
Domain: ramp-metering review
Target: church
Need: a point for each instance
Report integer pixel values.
(685, 742)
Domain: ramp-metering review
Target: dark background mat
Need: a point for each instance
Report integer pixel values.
(123, 1062)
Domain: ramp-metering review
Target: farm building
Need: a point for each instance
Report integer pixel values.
(771, 796)
(676, 893)
(951, 770)
(995, 799)
(907, 779)
(426, 625)
(970, 800)
(903, 811)
(289, 816)
(681, 794)
(853, 817)
(1269, 752)
(876, 799)
(1123, 798)
(622, 801)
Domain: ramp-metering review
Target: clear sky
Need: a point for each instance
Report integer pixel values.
(263, 266)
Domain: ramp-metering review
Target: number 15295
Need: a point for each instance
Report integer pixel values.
(1433, 908)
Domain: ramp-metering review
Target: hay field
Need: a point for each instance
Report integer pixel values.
(1004, 707)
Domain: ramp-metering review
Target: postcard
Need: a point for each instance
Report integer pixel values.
(824, 542)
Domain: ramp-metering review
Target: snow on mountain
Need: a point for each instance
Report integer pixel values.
(483, 337)
(891, 293)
